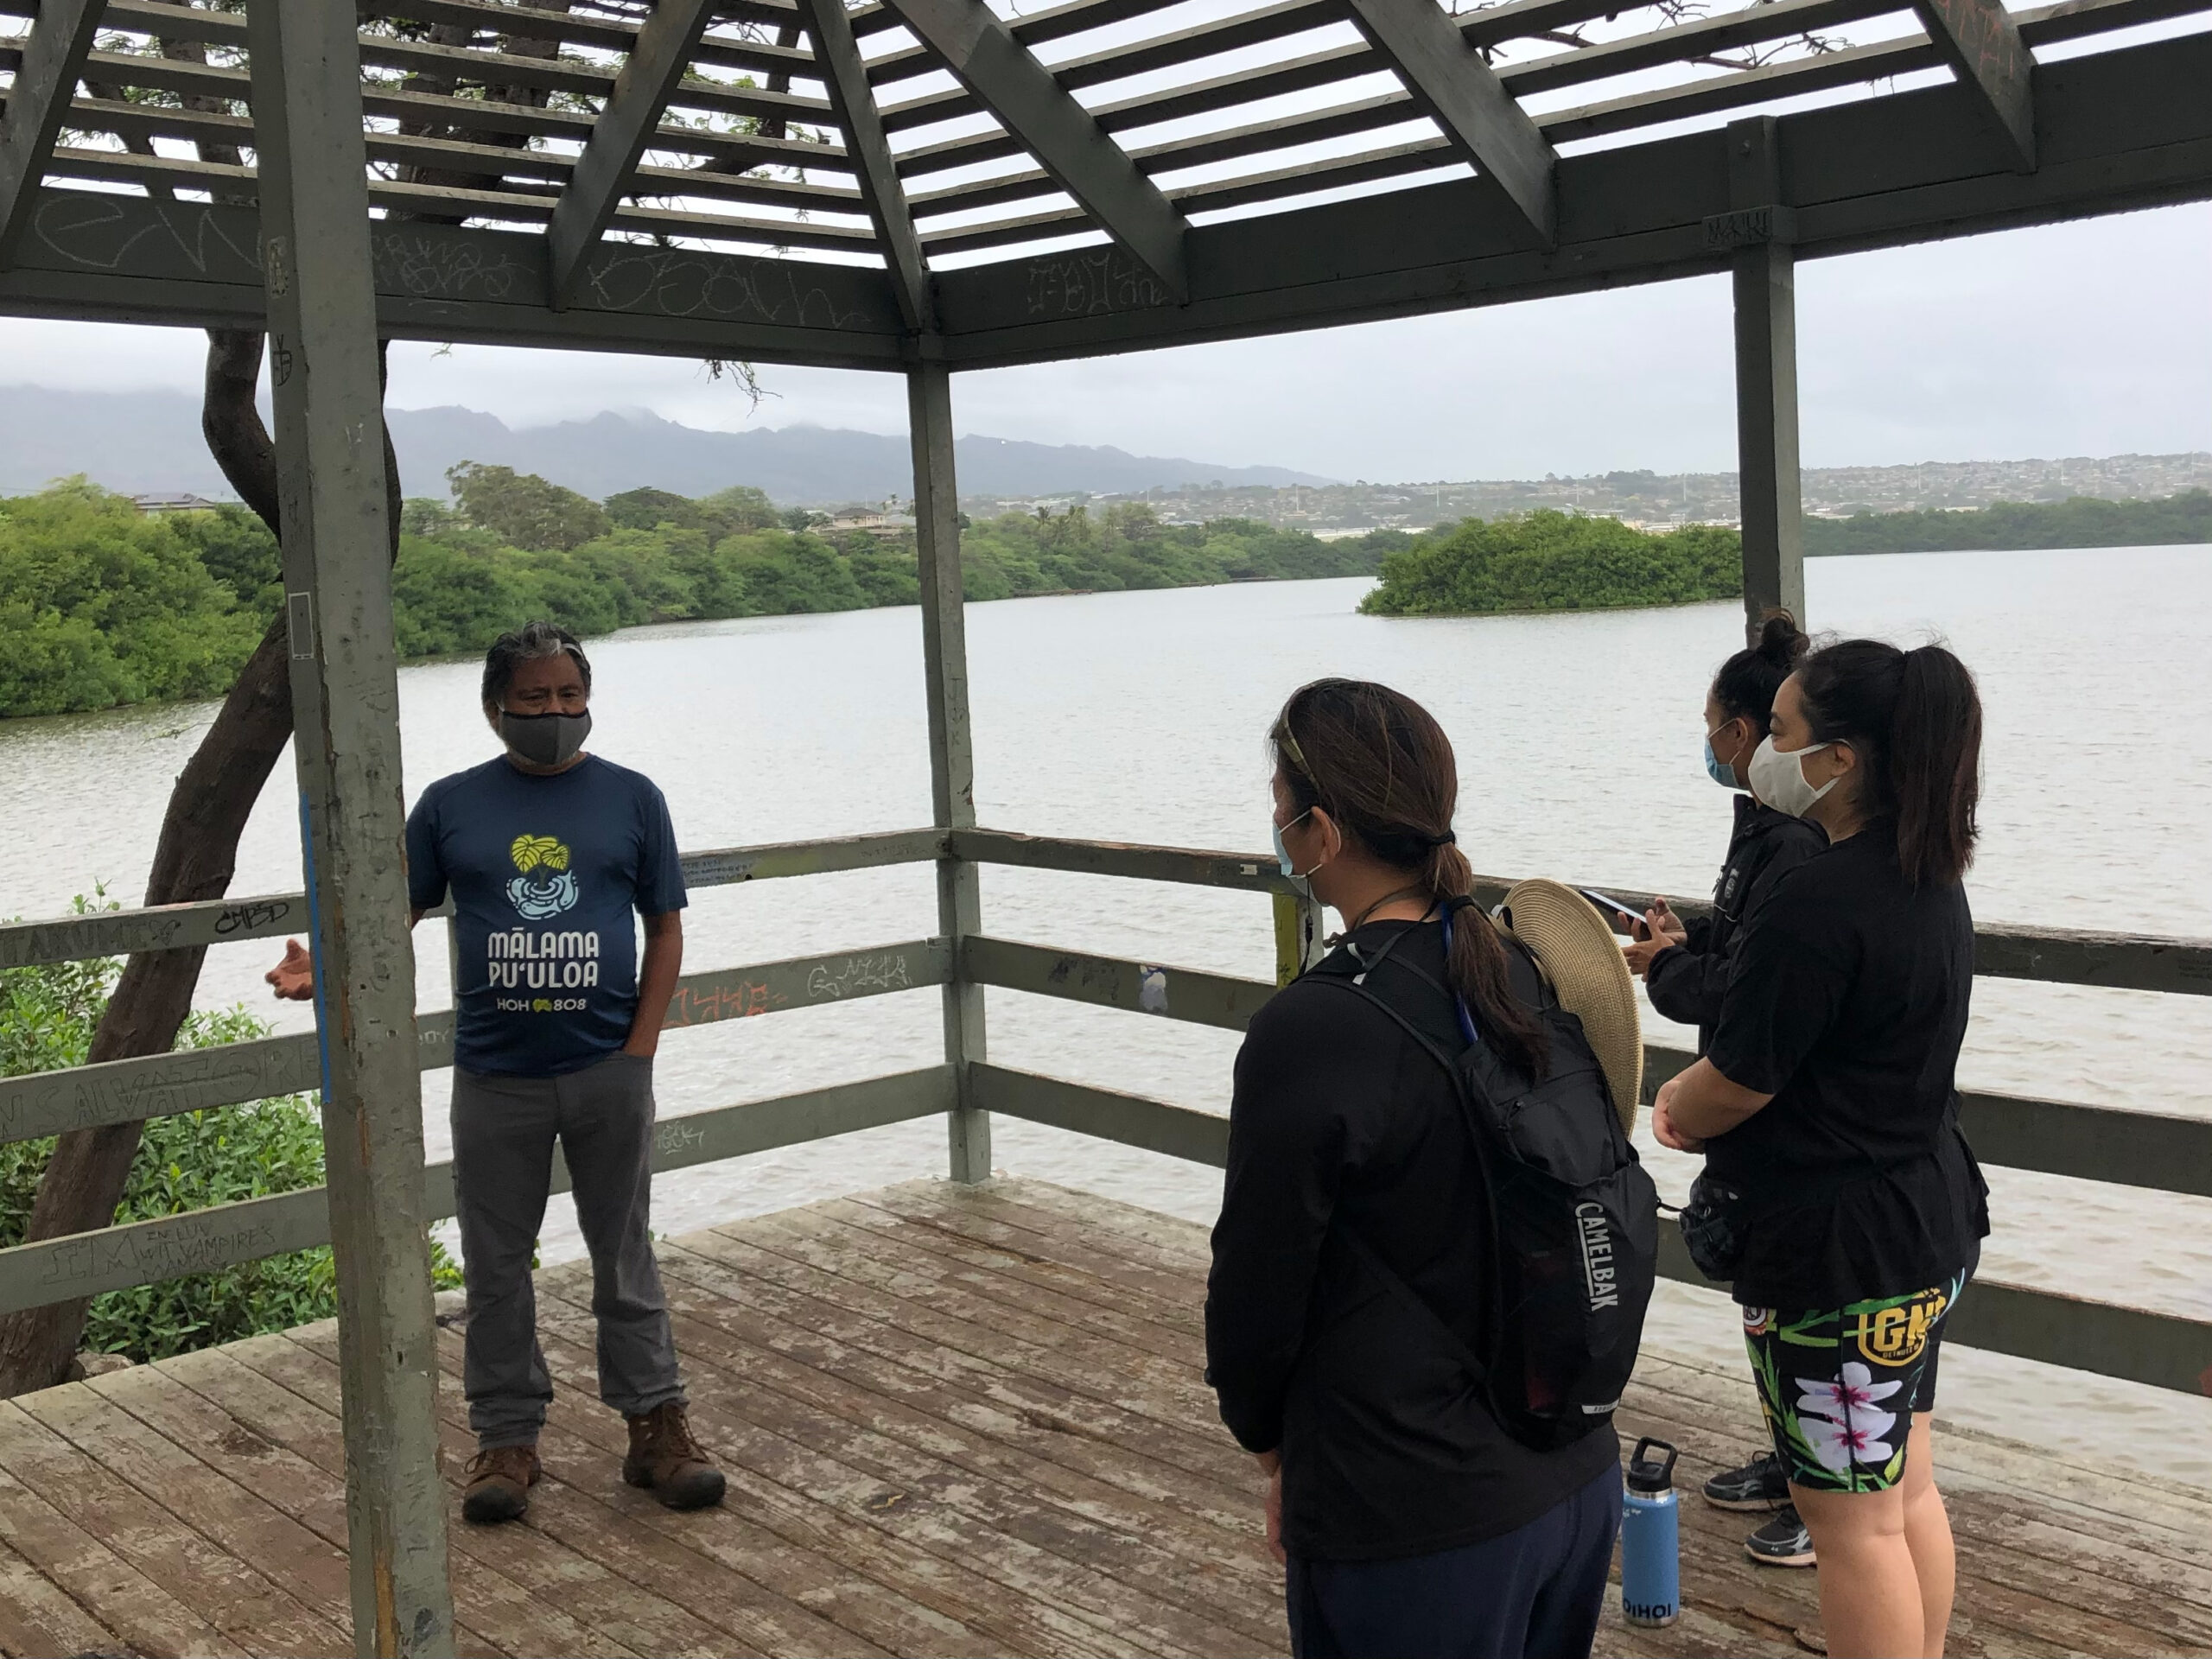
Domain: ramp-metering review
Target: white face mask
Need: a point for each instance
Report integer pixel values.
(1777, 778)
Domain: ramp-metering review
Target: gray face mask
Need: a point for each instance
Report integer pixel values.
(545, 739)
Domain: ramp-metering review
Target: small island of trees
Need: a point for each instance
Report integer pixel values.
(1551, 561)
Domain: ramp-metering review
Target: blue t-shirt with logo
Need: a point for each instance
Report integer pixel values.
(545, 872)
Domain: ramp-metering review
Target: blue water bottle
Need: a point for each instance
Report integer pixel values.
(1651, 1557)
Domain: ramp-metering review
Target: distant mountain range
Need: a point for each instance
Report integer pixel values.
(148, 442)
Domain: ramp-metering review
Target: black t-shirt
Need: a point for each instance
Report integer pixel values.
(1342, 1121)
(1848, 1002)
(1686, 983)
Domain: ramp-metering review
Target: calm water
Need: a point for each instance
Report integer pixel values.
(1140, 717)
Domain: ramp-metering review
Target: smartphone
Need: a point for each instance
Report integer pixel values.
(1611, 907)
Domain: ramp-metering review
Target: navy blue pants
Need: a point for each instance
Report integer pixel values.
(1534, 1594)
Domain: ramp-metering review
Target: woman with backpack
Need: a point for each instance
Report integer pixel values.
(1685, 968)
(1839, 1195)
(1349, 1257)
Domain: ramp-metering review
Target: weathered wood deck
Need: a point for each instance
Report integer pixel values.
(954, 1422)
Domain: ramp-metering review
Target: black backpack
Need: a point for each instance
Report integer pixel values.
(1573, 1222)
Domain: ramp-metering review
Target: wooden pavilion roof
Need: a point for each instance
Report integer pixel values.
(794, 179)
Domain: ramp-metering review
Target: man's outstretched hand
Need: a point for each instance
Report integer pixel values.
(293, 977)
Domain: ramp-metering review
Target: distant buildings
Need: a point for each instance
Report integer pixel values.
(1654, 500)
(885, 522)
(183, 501)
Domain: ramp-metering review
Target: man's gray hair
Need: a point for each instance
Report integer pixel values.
(531, 640)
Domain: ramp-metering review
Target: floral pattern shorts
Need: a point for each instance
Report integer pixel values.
(1840, 1386)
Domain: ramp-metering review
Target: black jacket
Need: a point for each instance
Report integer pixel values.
(1342, 1121)
(1685, 983)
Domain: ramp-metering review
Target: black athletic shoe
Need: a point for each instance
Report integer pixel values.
(1783, 1541)
(1759, 1484)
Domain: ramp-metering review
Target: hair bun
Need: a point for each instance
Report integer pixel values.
(1781, 641)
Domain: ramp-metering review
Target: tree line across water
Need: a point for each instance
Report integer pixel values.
(101, 605)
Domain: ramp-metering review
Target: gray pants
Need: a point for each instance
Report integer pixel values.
(503, 1134)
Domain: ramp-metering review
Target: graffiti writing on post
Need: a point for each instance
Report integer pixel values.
(1095, 280)
(426, 266)
(102, 232)
(681, 283)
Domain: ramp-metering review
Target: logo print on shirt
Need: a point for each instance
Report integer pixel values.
(545, 887)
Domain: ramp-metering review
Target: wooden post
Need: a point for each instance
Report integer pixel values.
(1298, 936)
(322, 337)
(1766, 383)
(952, 759)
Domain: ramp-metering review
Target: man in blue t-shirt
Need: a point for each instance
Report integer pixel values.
(548, 852)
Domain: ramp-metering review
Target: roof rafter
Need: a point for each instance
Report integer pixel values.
(1449, 80)
(1021, 95)
(45, 81)
(1981, 42)
(843, 75)
(619, 139)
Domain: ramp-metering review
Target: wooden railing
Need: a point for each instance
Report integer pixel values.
(2162, 1151)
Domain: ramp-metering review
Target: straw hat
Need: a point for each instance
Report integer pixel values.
(1583, 961)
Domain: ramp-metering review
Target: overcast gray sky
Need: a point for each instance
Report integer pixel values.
(2077, 340)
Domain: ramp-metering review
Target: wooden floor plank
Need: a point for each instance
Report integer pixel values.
(235, 1520)
(652, 1575)
(307, 1449)
(235, 1597)
(1164, 1239)
(1019, 1279)
(565, 1577)
(1053, 1422)
(147, 1618)
(1172, 1297)
(954, 1420)
(37, 1617)
(801, 1468)
(1003, 1535)
(1216, 1565)
(1141, 1379)
(900, 1597)
(974, 1336)
(834, 1610)
(495, 1613)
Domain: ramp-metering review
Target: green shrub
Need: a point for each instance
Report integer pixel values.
(184, 1162)
(1549, 561)
(100, 606)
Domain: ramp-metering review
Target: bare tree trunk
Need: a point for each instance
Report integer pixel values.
(197, 854)
(195, 859)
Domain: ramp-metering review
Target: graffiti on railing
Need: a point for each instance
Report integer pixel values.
(856, 974)
(149, 1258)
(125, 1091)
(252, 913)
(702, 1005)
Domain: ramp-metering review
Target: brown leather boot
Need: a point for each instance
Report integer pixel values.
(500, 1480)
(665, 1460)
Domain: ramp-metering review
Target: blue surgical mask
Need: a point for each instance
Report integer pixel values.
(1282, 853)
(1723, 776)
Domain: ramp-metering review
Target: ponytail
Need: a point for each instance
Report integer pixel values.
(1477, 970)
(1915, 718)
(1380, 767)
(1936, 766)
